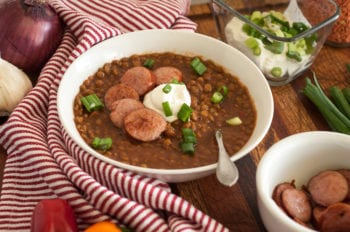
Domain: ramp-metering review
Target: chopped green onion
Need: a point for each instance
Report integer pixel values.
(91, 102)
(235, 121)
(102, 143)
(224, 90)
(188, 135)
(278, 19)
(176, 81)
(167, 109)
(294, 55)
(187, 148)
(148, 63)
(257, 51)
(299, 26)
(311, 43)
(253, 44)
(255, 15)
(189, 141)
(217, 97)
(247, 29)
(184, 112)
(276, 71)
(348, 67)
(275, 47)
(292, 31)
(166, 88)
(198, 66)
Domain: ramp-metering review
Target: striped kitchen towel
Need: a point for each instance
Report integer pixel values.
(43, 162)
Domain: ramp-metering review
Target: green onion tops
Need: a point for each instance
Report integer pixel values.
(103, 144)
(92, 102)
(198, 66)
(189, 141)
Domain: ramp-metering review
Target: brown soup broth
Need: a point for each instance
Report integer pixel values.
(205, 119)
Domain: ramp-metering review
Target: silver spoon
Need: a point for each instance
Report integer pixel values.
(226, 171)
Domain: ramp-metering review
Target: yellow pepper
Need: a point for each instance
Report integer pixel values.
(103, 227)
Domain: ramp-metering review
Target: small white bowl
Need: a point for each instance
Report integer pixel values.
(297, 157)
(181, 42)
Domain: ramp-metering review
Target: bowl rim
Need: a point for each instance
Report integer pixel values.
(315, 28)
(188, 35)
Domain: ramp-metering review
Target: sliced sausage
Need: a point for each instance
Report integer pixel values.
(336, 218)
(118, 92)
(167, 74)
(144, 124)
(328, 187)
(297, 204)
(277, 192)
(140, 78)
(317, 214)
(121, 108)
(346, 174)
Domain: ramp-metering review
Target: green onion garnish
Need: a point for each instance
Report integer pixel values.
(275, 47)
(224, 90)
(300, 27)
(148, 63)
(184, 112)
(187, 148)
(217, 97)
(189, 141)
(189, 135)
(91, 102)
(348, 67)
(167, 109)
(166, 88)
(276, 71)
(253, 44)
(198, 66)
(102, 143)
(294, 55)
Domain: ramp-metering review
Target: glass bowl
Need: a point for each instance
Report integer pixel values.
(282, 38)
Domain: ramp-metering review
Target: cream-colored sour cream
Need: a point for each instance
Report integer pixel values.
(267, 60)
(177, 96)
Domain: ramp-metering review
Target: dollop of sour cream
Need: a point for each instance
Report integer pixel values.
(176, 97)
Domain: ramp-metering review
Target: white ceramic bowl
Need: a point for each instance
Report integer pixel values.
(297, 157)
(181, 42)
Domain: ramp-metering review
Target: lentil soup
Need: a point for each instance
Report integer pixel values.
(206, 117)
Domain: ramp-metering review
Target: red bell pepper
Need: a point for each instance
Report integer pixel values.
(53, 215)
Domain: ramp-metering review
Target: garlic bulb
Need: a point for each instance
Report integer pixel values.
(14, 85)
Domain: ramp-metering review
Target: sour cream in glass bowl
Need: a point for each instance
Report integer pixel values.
(282, 38)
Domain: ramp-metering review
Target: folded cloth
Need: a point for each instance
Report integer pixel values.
(43, 162)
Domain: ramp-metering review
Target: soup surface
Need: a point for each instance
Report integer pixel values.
(165, 152)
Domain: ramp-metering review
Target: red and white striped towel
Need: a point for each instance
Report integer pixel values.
(43, 162)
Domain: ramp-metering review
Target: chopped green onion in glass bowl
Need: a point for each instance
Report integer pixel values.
(282, 38)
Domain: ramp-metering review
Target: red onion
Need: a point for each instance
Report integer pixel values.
(30, 33)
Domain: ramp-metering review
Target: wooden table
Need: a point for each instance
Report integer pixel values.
(236, 207)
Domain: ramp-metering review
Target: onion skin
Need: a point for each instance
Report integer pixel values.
(30, 33)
